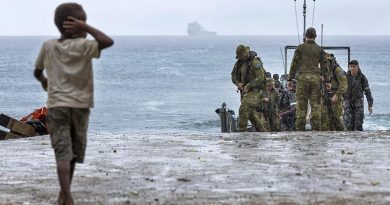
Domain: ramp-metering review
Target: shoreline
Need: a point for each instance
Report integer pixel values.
(182, 168)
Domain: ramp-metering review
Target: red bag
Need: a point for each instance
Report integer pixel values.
(38, 114)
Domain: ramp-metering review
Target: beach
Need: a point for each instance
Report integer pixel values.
(240, 168)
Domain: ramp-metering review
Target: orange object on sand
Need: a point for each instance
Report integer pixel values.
(38, 114)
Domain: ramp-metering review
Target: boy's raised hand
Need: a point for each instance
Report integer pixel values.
(74, 26)
(78, 27)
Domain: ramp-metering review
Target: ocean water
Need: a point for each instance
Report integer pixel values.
(175, 83)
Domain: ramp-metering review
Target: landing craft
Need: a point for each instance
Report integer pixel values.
(228, 120)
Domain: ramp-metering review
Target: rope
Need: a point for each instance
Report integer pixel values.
(296, 21)
(314, 10)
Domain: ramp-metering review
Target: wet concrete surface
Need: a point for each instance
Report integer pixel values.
(249, 168)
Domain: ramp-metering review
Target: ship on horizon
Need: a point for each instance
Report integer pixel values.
(195, 29)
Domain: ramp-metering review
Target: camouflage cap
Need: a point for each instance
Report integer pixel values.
(241, 51)
(311, 32)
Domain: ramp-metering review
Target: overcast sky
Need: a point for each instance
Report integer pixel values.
(227, 17)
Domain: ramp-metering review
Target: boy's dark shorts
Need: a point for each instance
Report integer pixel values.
(68, 132)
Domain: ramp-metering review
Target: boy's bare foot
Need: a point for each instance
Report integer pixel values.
(69, 201)
(60, 199)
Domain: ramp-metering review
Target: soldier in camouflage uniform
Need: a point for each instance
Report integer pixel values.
(267, 75)
(277, 84)
(269, 107)
(249, 76)
(332, 115)
(305, 63)
(354, 99)
(287, 110)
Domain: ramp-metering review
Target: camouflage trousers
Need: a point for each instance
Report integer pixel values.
(308, 89)
(271, 122)
(332, 118)
(354, 115)
(248, 111)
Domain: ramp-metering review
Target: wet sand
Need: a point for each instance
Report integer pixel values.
(250, 168)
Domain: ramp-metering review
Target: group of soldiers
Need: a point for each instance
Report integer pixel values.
(315, 81)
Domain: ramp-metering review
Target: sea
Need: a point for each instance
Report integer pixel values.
(174, 84)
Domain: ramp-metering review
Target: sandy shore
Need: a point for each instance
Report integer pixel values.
(251, 168)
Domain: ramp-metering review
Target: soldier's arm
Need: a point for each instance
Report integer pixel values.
(342, 80)
(259, 81)
(235, 75)
(324, 65)
(294, 64)
(290, 108)
(367, 91)
(262, 96)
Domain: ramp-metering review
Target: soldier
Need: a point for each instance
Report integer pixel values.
(267, 75)
(287, 108)
(333, 97)
(278, 84)
(277, 88)
(249, 76)
(354, 99)
(269, 107)
(307, 57)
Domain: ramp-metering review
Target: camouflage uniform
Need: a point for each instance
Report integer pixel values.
(332, 115)
(307, 57)
(287, 112)
(269, 110)
(325, 111)
(249, 72)
(354, 101)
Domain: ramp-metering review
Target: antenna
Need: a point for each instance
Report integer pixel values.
(304, 19)
(296, 20)
(322, 33)
(314, 11)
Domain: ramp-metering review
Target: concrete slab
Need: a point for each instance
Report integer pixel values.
(249, 168)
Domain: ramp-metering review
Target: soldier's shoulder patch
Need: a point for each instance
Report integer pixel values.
(339, 72)
(258, 65)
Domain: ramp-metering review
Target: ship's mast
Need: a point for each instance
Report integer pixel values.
(304, 19)
(286, 48)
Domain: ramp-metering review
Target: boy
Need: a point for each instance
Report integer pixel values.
(69, 83)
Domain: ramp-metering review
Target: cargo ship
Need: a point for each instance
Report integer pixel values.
(195, 29)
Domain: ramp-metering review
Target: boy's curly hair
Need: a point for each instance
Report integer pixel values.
(63, 11)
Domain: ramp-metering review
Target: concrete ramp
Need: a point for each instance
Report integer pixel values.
(249, 168)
